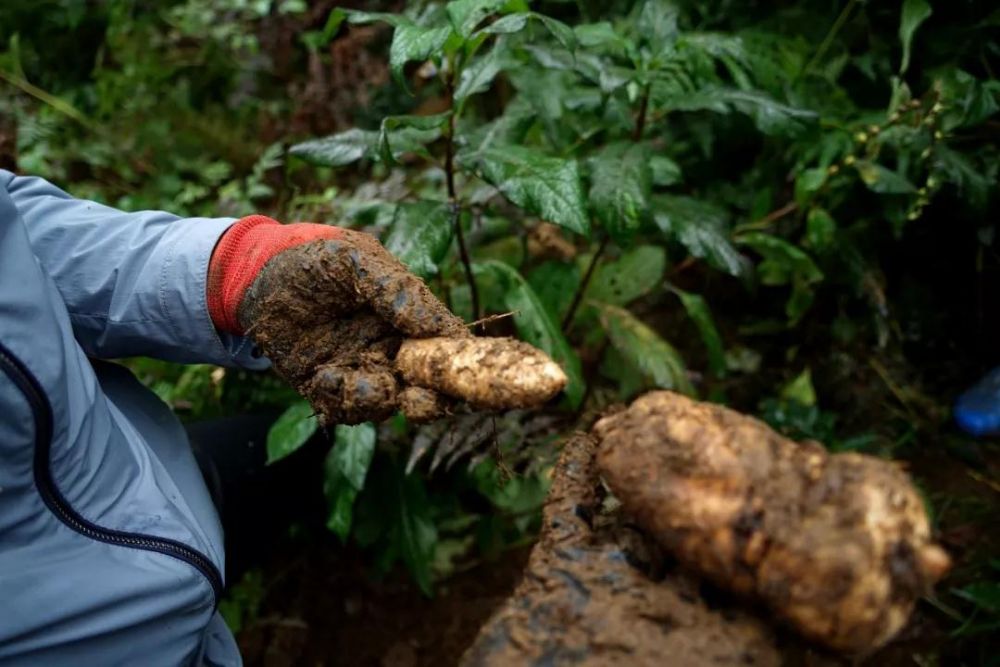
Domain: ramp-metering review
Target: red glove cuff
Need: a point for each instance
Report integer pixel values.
(242, 252)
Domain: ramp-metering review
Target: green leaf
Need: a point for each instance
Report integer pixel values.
(337, 150)
(465, 15)
(601, 37)
(548, 187)
(345, 468)
(414, 42)
(984, 594)
(881, 180)
(782, 260)
(800, 389)
(420, 236)
(643, 349)
(360, 17)
(479, 74)
(785, 264)
(552, 282)
(562, 32)
(536, 326)
(914, 13)
(821, 229)
(408, 134)
(664, 171)
(807, 182)
(701, 228)
(291, 430)
(506, 25)
(697, 309)
(620, 183)
(657, 23)
(636, 273)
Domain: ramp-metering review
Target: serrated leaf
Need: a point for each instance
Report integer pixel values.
(291, 430)
(407, 134)
(420, 236)
(345, 469)
(506, 25)
(465, 15)
(536, 326)
(657, 23)
(697, 309)
(881, 180)
(914, 13)
(636, 273)
(701, 228)
(643, 349)
(337, 150)
(413, 42)
(548, 187)
(620, 184)
(562, 32)
(479, 74)
(664, 171)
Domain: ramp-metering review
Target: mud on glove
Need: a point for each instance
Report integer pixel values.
(329, 307)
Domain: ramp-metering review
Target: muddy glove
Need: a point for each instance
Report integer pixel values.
(330, 308)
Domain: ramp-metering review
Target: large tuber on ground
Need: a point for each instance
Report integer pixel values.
(596, 592)
(836, 545)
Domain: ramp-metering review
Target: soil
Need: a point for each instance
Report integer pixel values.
(837, 545)
(324, 608)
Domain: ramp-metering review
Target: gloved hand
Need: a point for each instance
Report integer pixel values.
(329, 307)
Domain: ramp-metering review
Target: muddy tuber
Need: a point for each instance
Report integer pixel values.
(837, 545)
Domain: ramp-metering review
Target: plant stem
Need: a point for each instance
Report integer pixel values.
(828, 40)
(640, 118)
(578, 297)
(456, 206)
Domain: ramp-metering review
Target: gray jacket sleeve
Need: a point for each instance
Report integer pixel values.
(134, 283)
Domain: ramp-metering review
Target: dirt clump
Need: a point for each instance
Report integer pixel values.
(595, 593)
(332, 315)
(838, 546)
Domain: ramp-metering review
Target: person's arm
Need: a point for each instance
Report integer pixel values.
(134, 283)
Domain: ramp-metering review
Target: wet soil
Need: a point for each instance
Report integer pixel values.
(325, 608)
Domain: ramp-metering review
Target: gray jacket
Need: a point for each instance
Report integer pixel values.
(110, 547)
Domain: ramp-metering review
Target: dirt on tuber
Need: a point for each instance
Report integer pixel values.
(838, 546)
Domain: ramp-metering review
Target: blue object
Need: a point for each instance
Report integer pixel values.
(977, 411)
(110, 546)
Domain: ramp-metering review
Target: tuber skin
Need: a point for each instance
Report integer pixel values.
(486, 373)
(836, 545)
(596, 593)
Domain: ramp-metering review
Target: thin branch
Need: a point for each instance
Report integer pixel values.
(493, 318)
(456, 207)
(828, 40)
(578, 297)
(640, 119)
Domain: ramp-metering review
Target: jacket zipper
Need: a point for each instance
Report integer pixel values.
(42, 412)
